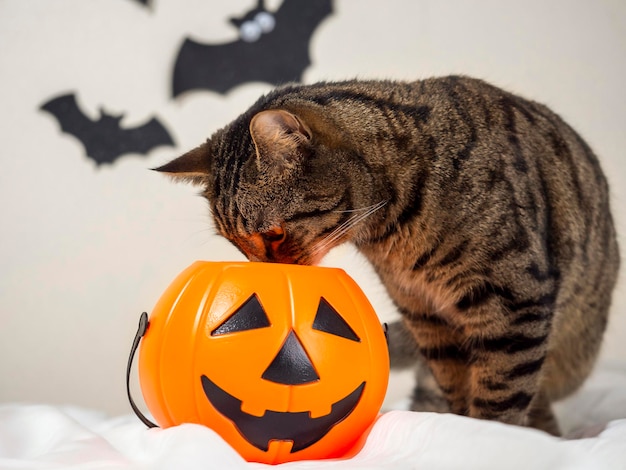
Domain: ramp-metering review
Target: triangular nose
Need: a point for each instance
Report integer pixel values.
(292, 365)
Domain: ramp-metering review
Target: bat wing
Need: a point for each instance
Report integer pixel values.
(218, 68)
(70, 117)
(142, 139)
(296, 21)
(74, 122)
(279, 56)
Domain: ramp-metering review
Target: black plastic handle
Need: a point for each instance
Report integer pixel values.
(141, 330)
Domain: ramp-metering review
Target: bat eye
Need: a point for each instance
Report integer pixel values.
(265, 21)
(250, 31)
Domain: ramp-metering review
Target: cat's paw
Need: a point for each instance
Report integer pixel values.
(429, 400)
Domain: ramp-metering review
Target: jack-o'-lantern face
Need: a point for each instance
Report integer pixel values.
(291, 366)
(285, 362)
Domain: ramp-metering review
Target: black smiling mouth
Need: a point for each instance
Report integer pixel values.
(299, 427)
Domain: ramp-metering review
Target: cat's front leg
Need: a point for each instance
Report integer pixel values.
(440, 347)
(505, 366)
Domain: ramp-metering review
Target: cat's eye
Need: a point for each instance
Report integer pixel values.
(250, 316)
(328, 320)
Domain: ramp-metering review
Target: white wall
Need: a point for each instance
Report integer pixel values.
(83, 250)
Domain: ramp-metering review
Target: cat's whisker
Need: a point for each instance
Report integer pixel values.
(360, 209)
(344, 225)
(347, 226)
(341, 229)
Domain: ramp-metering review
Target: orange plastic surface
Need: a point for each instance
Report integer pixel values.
(179, 348)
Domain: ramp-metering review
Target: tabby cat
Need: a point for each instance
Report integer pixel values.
(484, 214)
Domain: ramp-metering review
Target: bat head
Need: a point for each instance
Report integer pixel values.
(110, 120)
(254, 23)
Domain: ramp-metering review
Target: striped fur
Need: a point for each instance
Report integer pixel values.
(484, 214)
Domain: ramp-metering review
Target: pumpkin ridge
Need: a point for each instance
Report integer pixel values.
(169, 412)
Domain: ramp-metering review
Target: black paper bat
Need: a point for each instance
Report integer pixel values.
(273, 48)
(105, 140)
(145, 3)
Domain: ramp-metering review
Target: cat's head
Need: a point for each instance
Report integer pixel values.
(278, 189)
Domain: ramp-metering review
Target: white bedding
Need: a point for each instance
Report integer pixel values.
(50, 437)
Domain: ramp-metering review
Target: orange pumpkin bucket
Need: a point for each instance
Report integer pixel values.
(285, 362)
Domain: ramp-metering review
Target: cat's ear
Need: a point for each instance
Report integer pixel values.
(193, 166)
(280, 138)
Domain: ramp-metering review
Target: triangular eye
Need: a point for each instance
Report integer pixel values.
(249, 316)
(328, 320)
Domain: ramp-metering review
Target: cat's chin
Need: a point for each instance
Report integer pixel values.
(310, 259)
(303, 260)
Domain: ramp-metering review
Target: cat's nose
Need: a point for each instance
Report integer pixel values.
(267, 246)
(273, 241)
(275, 235)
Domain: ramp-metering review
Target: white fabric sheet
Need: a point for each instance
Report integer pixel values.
(51, 437)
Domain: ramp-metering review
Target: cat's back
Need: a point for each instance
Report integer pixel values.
(437, 91)
(451, 108)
